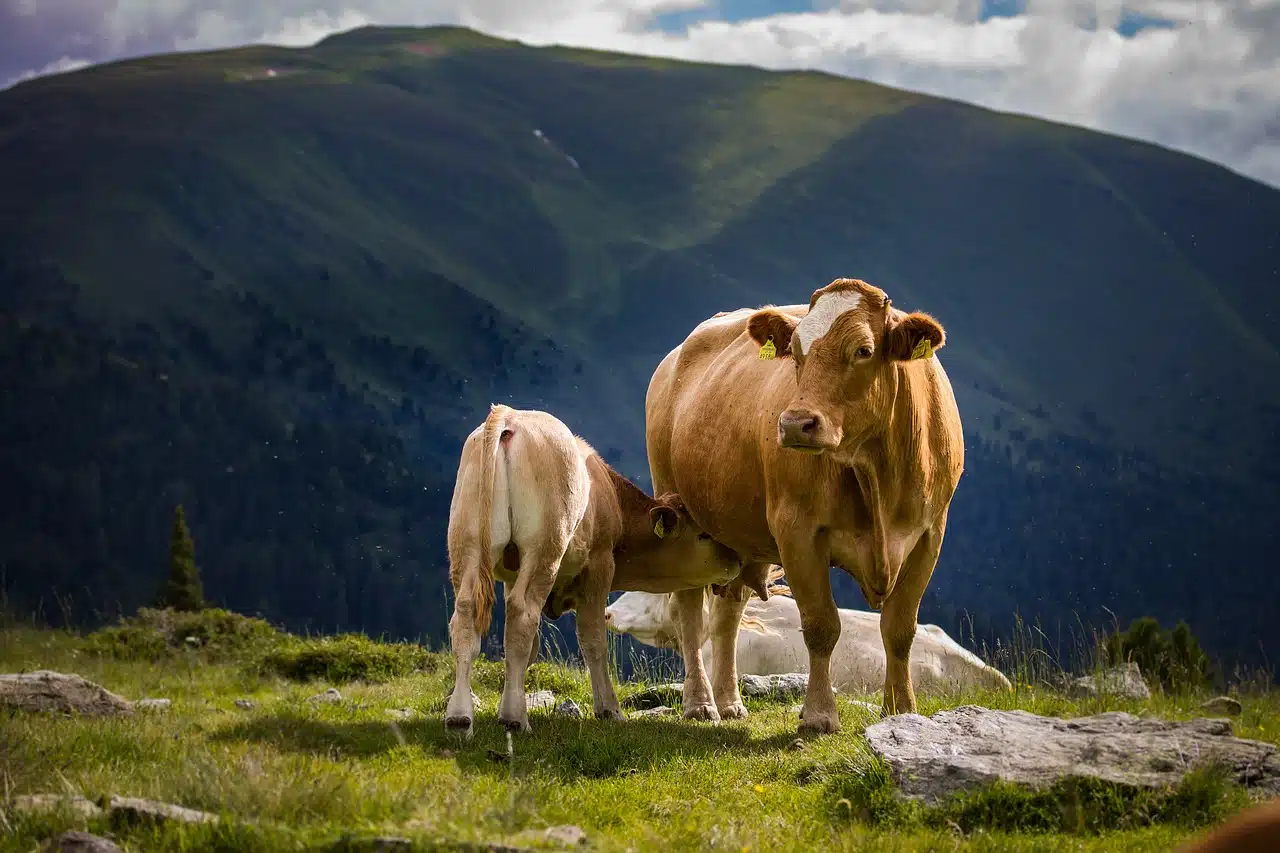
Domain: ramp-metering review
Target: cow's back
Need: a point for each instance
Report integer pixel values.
(711, 407)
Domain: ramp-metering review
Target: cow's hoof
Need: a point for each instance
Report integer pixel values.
(459, 724)
(736, 711)
(609, 714)
(705, 712)
(516, 726)
(819, 724)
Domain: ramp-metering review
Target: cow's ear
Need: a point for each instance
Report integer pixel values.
(768, 325)
(914, 335)
(665, 515)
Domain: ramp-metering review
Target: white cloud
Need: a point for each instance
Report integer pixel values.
(1209, 84)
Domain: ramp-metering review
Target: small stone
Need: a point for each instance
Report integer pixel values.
(447, 753)
(1123, 681)
(568, 835)
(193, 642)
(1223, 705)
(152, 704)
(569, 708)
(791, 685)
(653, 697)
(74, 841)
(796, 709)
(136, 810)
(660, 711)
(244, 704)
(44, 690)
(43, 803)
(330, 696)
(402, 714)
(543, 700)
(797, 745)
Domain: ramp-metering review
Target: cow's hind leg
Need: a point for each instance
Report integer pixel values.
(692, 624)
(465, 639)
(898, 620)
(525, 600)
(592, 637)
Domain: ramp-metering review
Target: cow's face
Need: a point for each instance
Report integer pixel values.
(844, 351)
(645, 616)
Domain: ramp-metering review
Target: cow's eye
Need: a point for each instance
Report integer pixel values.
(863, 352)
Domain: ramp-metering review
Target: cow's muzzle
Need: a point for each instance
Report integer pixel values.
(806, 431)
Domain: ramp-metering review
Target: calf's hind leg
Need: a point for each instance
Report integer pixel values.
(592, 637)
(525, 600)
(464, 636)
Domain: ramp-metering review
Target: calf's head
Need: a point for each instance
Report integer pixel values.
(667, 543)
(845, 353)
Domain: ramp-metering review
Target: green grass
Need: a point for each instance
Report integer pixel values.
(289, 774)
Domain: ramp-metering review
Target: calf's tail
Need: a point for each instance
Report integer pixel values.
(482, 581)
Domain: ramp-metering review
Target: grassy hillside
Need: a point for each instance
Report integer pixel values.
(288, 773)
(281, 286)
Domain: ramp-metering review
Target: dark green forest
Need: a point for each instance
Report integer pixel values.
(284, 303)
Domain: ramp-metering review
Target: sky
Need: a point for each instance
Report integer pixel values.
(1201, 76)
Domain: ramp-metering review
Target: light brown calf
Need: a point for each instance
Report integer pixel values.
(537, 508)
(810, 436)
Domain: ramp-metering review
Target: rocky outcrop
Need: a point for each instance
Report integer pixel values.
(57, 692)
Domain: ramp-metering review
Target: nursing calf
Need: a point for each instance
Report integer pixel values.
(770, 642)
(537, 508)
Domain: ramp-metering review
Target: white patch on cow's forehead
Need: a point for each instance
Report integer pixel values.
(819, 319)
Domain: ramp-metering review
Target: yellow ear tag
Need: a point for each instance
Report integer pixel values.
(660, 528)
(767, 349)
(924, 349)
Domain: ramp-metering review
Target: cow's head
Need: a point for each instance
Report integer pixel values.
(845, 352)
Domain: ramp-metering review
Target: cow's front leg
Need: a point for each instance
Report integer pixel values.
(726, 620)
(898, 620)
(692, 624)
(808, 571)
(592, 636)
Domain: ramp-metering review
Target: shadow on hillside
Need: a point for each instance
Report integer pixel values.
(566, 748)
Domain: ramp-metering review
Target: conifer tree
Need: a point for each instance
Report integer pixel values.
(182, 590)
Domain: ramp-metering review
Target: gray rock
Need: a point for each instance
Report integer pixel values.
(660, 711)
(43, 691)
(135, 810)
(1123, 681)
(655, 696)
(569, 708)
(193, 642)
(1223, 705)
(328, 697)
(567, 835)
(245, 704)
(543, 700)
(152, 704)
(74, 841)
(789, 686)
(44, 803)
(933, 757)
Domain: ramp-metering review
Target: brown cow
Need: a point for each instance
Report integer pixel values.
(810, 436)
(534, 505)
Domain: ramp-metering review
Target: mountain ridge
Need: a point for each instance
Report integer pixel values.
(402, 226)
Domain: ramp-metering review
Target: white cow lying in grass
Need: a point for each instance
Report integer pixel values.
(770, 642)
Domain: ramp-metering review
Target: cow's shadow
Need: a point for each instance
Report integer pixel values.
(564, 747)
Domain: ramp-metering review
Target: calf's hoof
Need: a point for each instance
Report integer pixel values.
(609, 714)
(705, 712)
(736, 711)
(459, 724)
